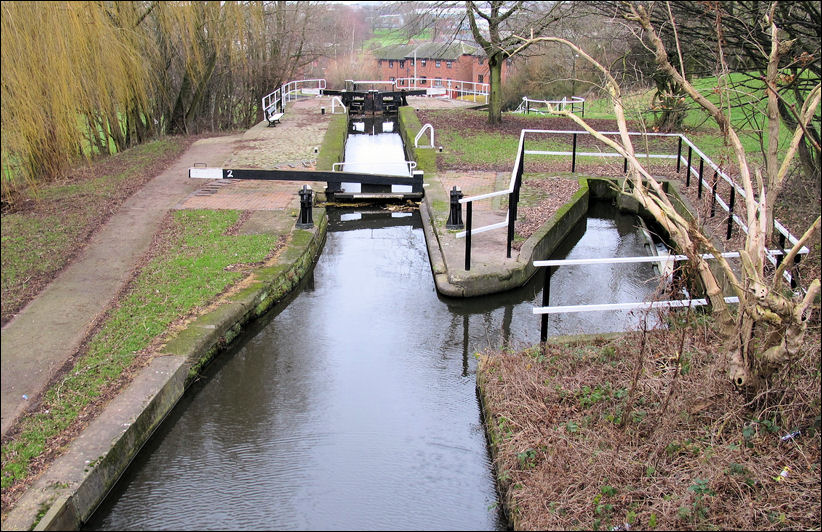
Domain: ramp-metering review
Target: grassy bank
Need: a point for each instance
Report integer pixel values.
(47, 227)
(196, 256)
(646, 432)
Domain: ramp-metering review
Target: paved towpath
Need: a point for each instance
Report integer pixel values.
(49, 331)
(44, 336)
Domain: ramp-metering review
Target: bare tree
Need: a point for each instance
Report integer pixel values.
(779, 316)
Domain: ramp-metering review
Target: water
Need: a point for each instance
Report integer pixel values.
(373, 146)
(353, 405)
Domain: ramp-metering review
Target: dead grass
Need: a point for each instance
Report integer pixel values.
(647, 430)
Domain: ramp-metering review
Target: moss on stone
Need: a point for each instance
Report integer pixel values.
(332, 149)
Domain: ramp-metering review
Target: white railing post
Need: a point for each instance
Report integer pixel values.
(426, 127)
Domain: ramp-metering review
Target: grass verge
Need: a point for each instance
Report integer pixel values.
(48, 227)
(646, 432)
(195, 258)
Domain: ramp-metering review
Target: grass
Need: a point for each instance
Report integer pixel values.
(188, 274)
(386, 37)
(477, 148)
(332, 149)
(746, 96)
(51, 223)
(410, 125)
(594, 433)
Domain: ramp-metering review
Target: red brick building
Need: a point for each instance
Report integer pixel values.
(434, 63)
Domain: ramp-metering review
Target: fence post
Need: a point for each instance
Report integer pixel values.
(512, 216)
(795, 271)
(583, 108)
(679, 155)
(513, 201)
(699, 185)
(468, 236)
(781, 256)
(546, 295)
(713, 196)
(731, 212)
(625, 166)
(688, 169)
(574, 155)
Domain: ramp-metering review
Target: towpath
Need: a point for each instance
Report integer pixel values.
(45, 336)
(49, 331)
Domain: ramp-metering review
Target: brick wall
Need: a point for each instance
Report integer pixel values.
(465, 68)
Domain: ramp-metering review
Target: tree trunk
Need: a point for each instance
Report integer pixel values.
(495, 96)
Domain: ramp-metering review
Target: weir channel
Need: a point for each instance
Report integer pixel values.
(353, 404)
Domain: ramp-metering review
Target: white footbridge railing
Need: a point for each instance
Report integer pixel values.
(448, 88)
(275, 102)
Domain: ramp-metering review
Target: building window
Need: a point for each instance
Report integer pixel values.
(480, 60)
(424, 80)
(392, 79)
(438, 64)
(479, 78)
(402, 63)
(390, 63)
(422, 62)
(449, 63)
(438, 82)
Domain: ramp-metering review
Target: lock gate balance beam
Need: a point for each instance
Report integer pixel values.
(333, 180)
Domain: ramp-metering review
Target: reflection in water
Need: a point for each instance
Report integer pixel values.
(353, 407)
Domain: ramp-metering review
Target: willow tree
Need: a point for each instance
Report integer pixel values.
(765, 304)
(62, 88)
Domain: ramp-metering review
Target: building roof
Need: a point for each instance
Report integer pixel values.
(427, 50)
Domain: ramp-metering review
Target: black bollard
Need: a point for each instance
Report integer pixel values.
(306, 219)
(455, 215)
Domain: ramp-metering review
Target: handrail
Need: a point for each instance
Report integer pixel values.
(428, 127)
(277, 98)
(525, 105)
(334, 101)
(516, 175)
(455, 88)
(409, 165)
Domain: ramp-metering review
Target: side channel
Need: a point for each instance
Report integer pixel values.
(353, 406)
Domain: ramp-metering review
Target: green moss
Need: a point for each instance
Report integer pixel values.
(409, 126)
(332, 149)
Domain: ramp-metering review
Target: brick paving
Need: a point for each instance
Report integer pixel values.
(289, 145)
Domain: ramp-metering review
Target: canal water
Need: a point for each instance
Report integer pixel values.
(353, 405)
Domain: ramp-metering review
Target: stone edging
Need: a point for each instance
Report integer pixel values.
(68, 492)
(540, 244)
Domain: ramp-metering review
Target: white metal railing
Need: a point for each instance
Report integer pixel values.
(275, 101)
(525, 106)
(454, 89)
(644, 305)
(334, 101)
(405, 168)
(516, 175)
(353, 83)
(426, 127)
(546, 309)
